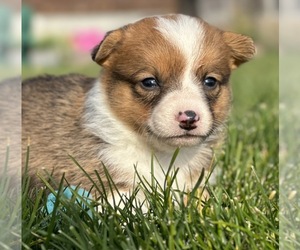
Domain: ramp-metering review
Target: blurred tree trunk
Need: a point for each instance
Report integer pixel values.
(188, 7)
(255, 6)
(251, 6)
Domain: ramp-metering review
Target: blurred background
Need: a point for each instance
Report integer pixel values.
(57, 36)
(10, 38)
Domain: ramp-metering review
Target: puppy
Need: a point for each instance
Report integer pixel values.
(164, 85)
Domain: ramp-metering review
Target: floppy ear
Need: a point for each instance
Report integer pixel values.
(102, 51)
(242, 48)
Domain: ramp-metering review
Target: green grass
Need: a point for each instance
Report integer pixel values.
(242, 212)
(10, 207)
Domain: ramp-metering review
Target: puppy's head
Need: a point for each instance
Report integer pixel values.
(167, 77)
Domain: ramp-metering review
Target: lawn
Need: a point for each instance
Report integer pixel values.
(289, 151)
(242, 212)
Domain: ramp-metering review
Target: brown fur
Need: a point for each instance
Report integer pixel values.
(121, 72)
(125, 61)
(52, 126)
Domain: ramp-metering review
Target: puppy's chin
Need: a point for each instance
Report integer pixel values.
(184, 140)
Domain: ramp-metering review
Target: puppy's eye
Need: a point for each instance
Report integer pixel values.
(149, 83)
(210, 82)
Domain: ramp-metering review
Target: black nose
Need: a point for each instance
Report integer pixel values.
(188, 119)
(190, 114)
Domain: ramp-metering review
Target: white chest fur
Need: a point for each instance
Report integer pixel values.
(124, 150)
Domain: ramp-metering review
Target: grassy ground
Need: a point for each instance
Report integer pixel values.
(289, 152)
(10, 211)
(242, 212)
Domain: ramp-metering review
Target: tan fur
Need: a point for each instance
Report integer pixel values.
(54, 108)
(229, 51)
(136, 67)
(52, 126)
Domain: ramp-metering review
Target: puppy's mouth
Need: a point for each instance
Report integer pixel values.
(183, 140)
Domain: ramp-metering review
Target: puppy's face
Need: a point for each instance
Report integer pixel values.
(167, 77)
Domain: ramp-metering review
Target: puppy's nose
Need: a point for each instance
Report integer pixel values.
(188, 119)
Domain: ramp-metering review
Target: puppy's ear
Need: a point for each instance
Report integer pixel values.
(108, 45)
(242, 48)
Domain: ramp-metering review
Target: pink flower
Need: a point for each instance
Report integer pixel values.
(86, 40)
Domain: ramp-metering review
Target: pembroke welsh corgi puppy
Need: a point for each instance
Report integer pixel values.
(164, 85)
